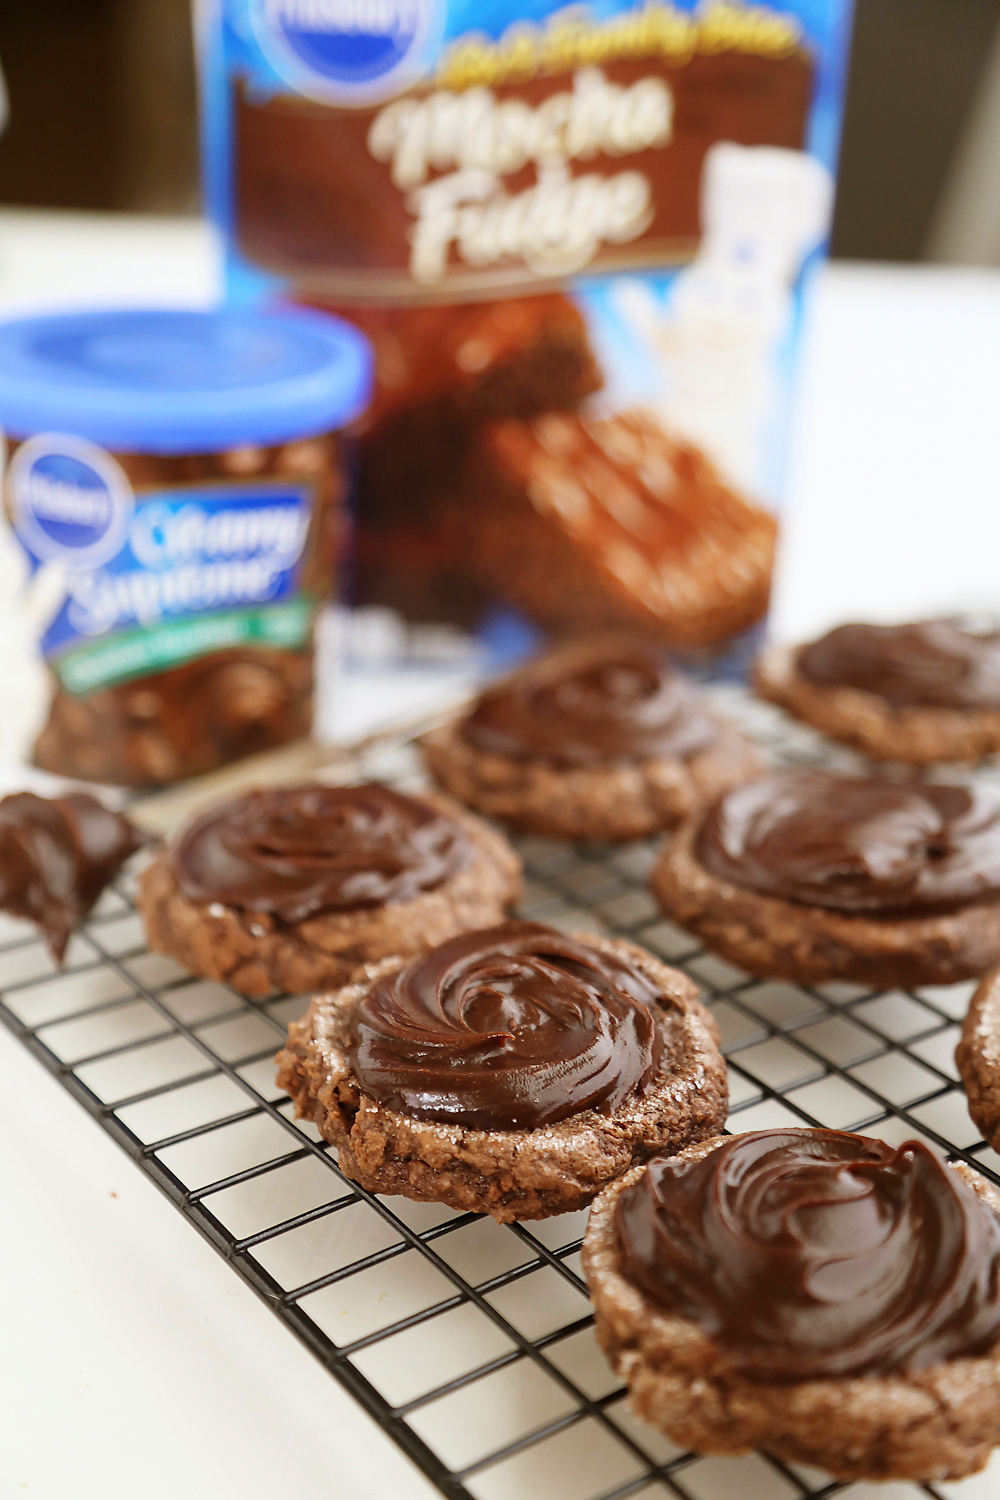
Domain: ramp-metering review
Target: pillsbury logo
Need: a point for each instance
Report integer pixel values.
(71, 502)
(349, 52)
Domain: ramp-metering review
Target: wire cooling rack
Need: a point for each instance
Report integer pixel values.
(471, 1344)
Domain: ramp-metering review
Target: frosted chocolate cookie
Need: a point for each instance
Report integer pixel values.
(601, 739)
(978, 1058)
(292, 889)
(822, 1296)
(809, 876)
(56, 857)
(919, 693)
(512, 1071)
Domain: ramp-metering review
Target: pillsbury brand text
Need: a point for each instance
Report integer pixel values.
(371, 17)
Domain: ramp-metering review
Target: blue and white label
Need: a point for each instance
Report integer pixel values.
(349, 52)
(188, 552)
(71, 502)
(140, 584)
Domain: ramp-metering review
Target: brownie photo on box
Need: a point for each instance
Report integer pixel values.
(611, 522)
(441, 373)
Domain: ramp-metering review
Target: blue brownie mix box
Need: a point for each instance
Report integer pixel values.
(579, 239)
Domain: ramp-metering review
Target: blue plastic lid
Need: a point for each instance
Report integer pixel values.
(182, 382)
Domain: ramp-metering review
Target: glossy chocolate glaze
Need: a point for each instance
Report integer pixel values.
(814, 1254)
(297, 851)
(57, 856)
(618, 702)
(510, 1028)
(855, 844)
(929, 664)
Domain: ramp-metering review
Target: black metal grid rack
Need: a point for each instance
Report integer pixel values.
(469, 1343)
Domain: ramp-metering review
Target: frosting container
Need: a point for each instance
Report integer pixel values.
(178, 484)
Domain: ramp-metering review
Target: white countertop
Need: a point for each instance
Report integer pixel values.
(134, 1363)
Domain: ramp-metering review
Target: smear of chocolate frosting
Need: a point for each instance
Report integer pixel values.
(855, 844)
(615, 702)
(297, 851)
(509, 1028)
(814, 1254)
(929, 664)
(56, 857)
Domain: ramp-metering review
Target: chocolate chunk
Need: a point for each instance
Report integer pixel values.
(57, 856)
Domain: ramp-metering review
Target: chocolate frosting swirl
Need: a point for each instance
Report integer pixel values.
(929, 664)
(57, 856)
(616, 702)
(297, 851)
(510, 1028)
(814, 1254)
(855, 844)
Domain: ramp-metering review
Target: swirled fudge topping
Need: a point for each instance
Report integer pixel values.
(855, 844)
(814, 1254)
(929, 664)
(57, 856)
(619, 703)
(508, 1028)
(297, 851)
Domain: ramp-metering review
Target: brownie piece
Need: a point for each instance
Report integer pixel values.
(441, 372)
(613, 523)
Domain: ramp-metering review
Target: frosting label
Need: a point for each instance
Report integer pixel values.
(135, 584)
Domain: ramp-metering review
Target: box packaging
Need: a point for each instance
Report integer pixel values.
(579, 239)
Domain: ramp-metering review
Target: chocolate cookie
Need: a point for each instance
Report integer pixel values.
(512, 1071)
(917, 693)
(809, 876)
(822, 1296)
(599, 740)
(978, 1058)
(292, 889)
